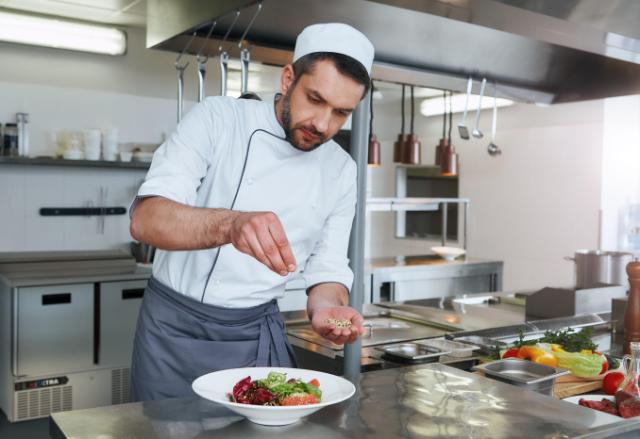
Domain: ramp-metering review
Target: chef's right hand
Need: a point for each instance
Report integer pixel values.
(261, 235)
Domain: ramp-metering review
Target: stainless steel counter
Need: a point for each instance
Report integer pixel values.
(412, 402)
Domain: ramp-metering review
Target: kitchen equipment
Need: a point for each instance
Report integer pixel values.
(454, 348)
(412, 147)
(596, 267)
(449, 159)
(69, 320)
(373, 153)
(224, 69)
(180, 68)
(202, 64)
(245, 55)
(476, 129)
(398, 146)
(143, 252)
(462, 127)
(412, 352)
(493, 149)
(10, 147)
(630, 389)
(531, 376)
(223, 56)
(632, 314)
(215, 386)
(443, 140)
(570, 302)
(618, 310)
(22, 120)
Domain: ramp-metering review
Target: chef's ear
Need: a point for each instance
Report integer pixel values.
(287, 79)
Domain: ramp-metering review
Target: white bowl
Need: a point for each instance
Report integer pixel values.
(448, 253)
(215, 386)
(73, 154)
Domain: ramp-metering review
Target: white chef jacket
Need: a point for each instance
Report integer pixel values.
(312, 193)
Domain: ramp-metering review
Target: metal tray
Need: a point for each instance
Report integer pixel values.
(412, 351)
(533, 376)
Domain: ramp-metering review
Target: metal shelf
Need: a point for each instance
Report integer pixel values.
(422, 205)
(48, 161)
(410, 204)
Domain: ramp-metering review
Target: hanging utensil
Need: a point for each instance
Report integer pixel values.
(224, 57)
(476, 130)
(224, 69)
(244, 70)
(398, 146)
(443, 140)
(493, 149)
(449, 165)
(202, 64)
(245, 54)
(462, 127)
(181, 68)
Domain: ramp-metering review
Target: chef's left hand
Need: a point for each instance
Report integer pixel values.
(321, 325)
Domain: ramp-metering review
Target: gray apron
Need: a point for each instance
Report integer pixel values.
(179, 339)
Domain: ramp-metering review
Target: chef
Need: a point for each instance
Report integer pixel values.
(244, 196)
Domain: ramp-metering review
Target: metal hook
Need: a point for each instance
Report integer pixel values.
(246, 31)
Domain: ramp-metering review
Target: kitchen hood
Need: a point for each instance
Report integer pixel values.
(544, 51)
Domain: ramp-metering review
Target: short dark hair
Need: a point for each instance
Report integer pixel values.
(345, 65)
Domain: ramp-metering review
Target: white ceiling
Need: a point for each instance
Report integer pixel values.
(118, 12)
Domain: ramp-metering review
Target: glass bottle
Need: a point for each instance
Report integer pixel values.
(629, 387)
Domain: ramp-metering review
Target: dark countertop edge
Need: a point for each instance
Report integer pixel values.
(47, 161)
(107, 277)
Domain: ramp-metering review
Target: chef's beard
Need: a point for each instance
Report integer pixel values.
(289, 129)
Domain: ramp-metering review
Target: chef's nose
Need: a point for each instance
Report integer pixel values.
(321, 121)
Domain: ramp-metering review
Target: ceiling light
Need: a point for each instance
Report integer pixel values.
(435, 106)
(61, 34)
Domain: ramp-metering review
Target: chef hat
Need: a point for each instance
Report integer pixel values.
(337, 38)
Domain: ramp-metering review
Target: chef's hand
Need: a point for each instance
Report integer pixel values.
(323, 323)
(261, 235)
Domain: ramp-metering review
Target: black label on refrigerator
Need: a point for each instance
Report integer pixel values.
(39, 384)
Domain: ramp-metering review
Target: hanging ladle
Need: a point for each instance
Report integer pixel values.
(245, 55)
(224, 57)
(202, 64)
(462, 127)
(181, 68)
(476, 130)
(493, 149)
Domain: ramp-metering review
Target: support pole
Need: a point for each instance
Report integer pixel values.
(359, 151)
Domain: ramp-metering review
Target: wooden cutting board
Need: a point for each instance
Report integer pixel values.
(569, 385)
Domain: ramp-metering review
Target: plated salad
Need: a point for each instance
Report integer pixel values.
(276, 390)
